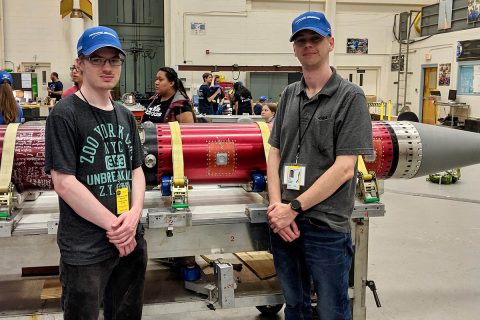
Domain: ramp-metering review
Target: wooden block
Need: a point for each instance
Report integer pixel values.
(52, 289)
(260, 262)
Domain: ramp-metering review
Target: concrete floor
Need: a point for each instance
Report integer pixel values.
(424, 254)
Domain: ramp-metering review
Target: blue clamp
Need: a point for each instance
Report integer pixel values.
(191, 273)
(165, 186)
(259, 183)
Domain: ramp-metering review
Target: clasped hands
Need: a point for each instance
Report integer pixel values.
(122, 232)
(281, 218)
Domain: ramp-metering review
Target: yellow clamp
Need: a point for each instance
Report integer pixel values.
(177, 154)
(363, 169)
(7, 156)
(265, 130)
(389, 110)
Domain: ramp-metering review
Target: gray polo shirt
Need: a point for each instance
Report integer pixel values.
(340, 126)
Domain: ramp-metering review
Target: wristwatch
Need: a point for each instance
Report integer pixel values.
(296, 206)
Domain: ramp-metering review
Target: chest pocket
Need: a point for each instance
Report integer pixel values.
(322, 132)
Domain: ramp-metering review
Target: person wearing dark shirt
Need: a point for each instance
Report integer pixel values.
(243, 101)
(258, 107)
(205, 97)
(103, 254)
(321, 126)
(55, 88)
(219, 99)
(10, 111)
(170, 102)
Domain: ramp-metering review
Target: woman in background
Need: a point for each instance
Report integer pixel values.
(171, 102)
(268, 112)
(10, 111)
(77, 80)
(243, 101)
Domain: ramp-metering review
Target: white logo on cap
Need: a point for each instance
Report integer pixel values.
(99, 33)
(307, 17)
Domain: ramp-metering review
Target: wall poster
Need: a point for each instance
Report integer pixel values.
(397, 64)
(357, 46)
(473, 10)
(444, 71)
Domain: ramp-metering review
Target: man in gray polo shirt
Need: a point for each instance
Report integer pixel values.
(322, 125)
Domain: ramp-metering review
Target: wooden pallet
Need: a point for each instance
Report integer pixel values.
(52, 289)
(260, 262)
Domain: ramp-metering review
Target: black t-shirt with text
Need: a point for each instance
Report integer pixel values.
(55, 86)
(157, 109)
(244, 104)
(204, 106)
(101, 153)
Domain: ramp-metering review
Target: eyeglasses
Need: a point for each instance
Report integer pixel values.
(73, 68)
(100, 61)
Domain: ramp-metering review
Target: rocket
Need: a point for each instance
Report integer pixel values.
(230, 153)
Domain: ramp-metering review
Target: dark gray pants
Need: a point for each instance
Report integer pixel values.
(117, 282)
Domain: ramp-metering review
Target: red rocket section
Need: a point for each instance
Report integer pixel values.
(29, 159)
(212, 153)
(240, 144)
(384, 144)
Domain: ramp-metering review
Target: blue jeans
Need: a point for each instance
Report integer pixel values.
(320, 254)
(117, 282)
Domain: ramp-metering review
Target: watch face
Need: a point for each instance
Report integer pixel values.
(295, 204)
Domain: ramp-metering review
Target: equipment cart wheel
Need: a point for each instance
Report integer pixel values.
(271, 309)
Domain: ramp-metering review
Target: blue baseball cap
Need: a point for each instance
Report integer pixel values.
(95, 38)
(4, 75)
(311, 20)
(263, 98)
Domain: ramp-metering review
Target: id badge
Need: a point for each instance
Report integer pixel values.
(122, 200)
(294, 176)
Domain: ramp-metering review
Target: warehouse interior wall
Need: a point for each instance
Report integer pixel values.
(243, 32)
(256, 33)
(442, 48)
(34, 31)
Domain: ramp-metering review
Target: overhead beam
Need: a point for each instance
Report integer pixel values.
(276, 68)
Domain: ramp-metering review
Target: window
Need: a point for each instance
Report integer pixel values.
(465, 79)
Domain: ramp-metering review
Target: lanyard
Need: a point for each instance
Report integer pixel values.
(300, 135)
(104, 142)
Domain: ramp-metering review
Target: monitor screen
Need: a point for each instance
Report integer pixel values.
(452, 95)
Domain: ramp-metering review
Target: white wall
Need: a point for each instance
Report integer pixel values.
(256, 33)
(443, 50)
(35, 32)
(243, 32)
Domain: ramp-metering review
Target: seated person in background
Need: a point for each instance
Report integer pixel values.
(77, 80)
(268, 112)
(170, 102)
(243, 101)
(257, 108)
(10, 111)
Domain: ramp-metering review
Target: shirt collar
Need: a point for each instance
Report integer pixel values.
(328, 89)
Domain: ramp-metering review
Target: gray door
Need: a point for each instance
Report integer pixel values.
(270, 84)
(140, 26)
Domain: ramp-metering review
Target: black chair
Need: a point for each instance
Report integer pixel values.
(408, 116)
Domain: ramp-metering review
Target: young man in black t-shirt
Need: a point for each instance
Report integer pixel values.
(94, 154)
(205, 97)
